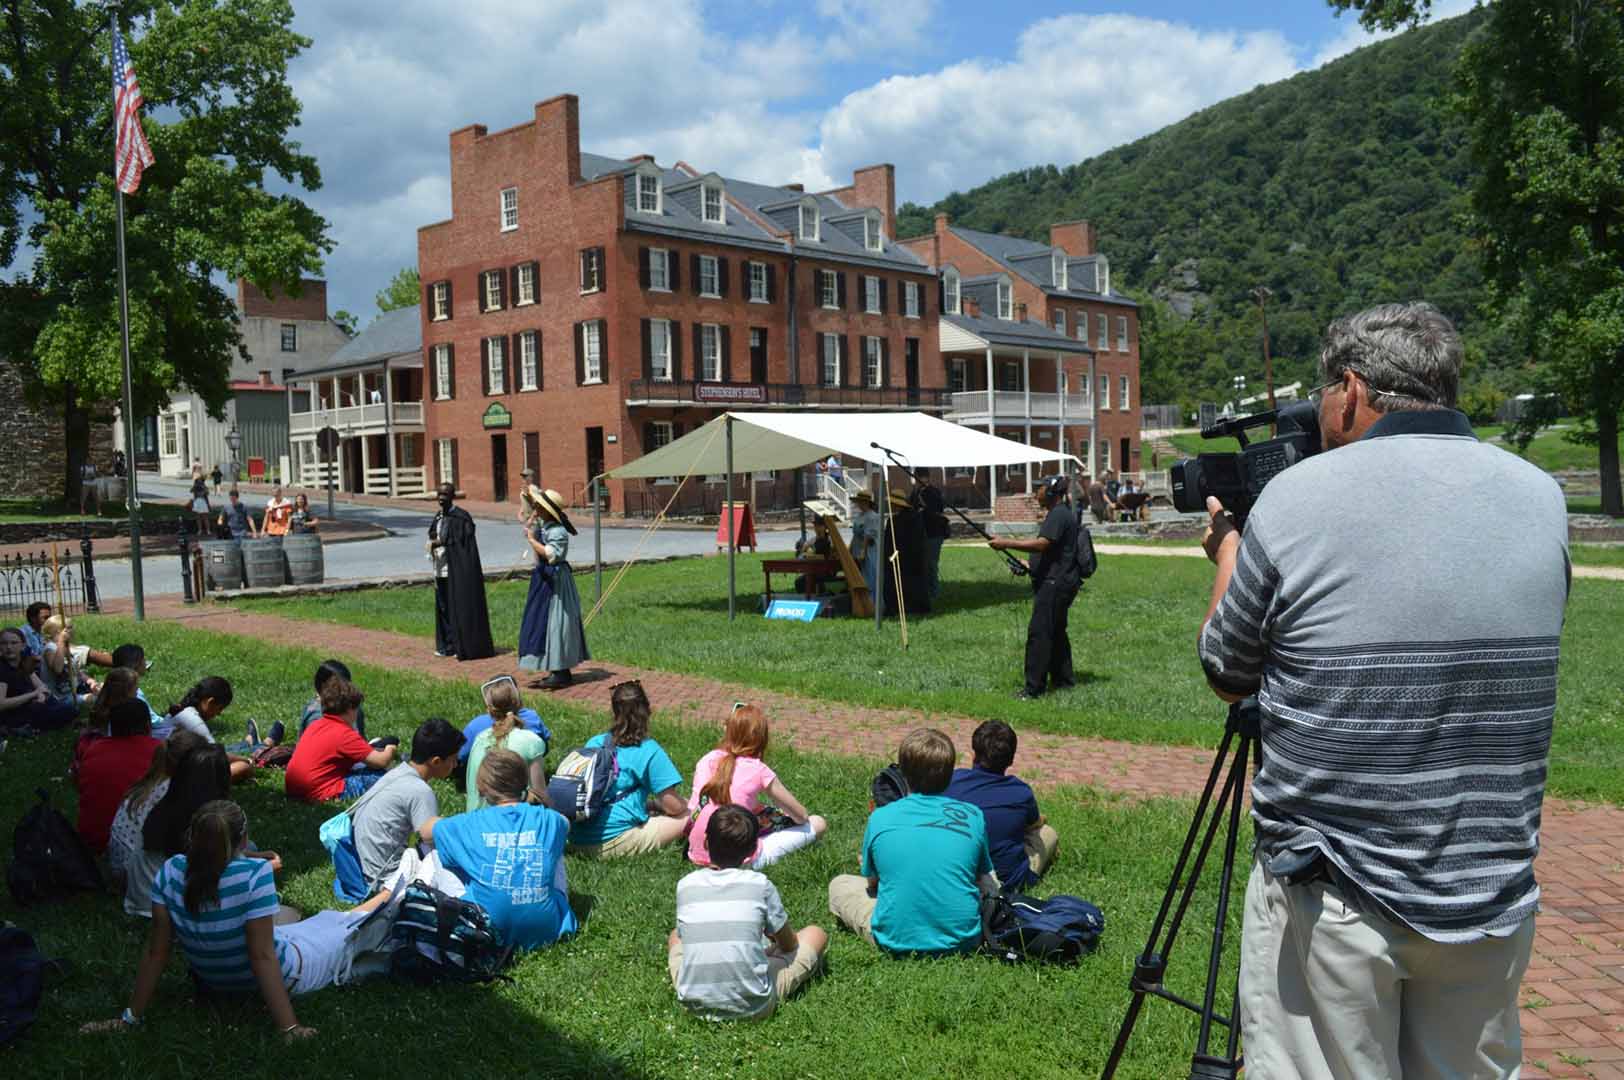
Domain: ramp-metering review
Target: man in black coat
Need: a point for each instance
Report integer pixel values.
(462, 625)
(1055, 581)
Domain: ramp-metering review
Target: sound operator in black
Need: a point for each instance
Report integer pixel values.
(1054, 582)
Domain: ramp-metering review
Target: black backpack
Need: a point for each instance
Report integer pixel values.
(48, 858)
(1059, 930)
(889, 786)
(440, 938)
(22, 980)
(1082, 552)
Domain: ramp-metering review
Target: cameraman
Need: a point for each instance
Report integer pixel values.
(1396, 607)
(1054, 585)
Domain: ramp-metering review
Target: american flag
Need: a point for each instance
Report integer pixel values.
(131, 153)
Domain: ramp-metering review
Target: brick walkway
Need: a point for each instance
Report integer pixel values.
(1573, 993)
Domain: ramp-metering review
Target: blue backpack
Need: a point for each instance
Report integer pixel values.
(1059, 930)
(579, 788)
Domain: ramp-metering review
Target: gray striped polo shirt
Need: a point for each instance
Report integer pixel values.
(1397, 607)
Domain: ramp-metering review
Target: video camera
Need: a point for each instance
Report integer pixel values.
(1237, 479)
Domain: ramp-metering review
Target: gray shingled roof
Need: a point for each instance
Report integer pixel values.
(390, 334)
(1025, 335)
(680, 216)
(1030, 260)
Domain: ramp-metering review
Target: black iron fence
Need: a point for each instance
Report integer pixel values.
(54, 575)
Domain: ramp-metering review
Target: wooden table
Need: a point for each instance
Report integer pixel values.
(812, 568)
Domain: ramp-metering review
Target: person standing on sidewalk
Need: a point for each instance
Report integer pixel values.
(1396, 605)
(237, 519)
(462, 622)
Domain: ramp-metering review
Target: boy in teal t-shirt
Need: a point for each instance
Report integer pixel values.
(926, 856)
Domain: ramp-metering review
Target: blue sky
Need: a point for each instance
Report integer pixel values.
(952, 93)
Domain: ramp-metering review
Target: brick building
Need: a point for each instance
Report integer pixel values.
(580, 310)
(1037, 293)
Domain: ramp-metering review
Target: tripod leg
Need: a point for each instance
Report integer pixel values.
(1123, 1033)
(1226, 874)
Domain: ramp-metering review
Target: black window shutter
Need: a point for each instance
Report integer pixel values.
(675, 335)
(941, 295)
(540, 367)
(603, 269)
(840, 289)
(513, 283)
(451, 368)
(673, 270)
(510, 375)
(693, 270)
(748, 271)
(727, 354)
(580, 353)
(699, 352)
(535, 280)
(772, 282)
(648, 431)
(503, 297)
(648, 348)
(456, 471)
(603, 347)
(642, 270)
(721, 276)
(485, 366)
(883, 290)
(428, 299)
(585, 254)
(676, 430)
(853, 371)
(885, 361)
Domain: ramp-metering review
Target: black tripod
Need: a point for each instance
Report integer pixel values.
(1151, 967)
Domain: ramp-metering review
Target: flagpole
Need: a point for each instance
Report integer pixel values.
(133, 495)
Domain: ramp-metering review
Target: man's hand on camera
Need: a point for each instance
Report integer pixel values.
(1222, 539)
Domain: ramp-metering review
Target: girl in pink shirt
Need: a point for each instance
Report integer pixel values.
(735, 773)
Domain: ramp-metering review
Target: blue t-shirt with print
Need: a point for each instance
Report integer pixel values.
(512, 860)
(927, 851)
(529, 718)
(1009, 807)
(645, 769)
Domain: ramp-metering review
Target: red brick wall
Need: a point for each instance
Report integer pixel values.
(310, 304)
(558, 217)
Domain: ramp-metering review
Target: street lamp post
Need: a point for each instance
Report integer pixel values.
(1262, 293)
(233, 444)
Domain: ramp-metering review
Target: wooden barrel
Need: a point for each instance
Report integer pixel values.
(262, 562)
(222, 564)
(305, 562)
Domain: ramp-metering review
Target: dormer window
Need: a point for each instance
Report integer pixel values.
(649, 195)
(1104, 278)
(1006, 300)
(712, 205)
(1058, 269)
(950, 291)
(809, 220)
(872, 238)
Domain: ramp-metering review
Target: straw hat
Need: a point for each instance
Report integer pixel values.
(548, 502)
(863, 496)
(900, 501)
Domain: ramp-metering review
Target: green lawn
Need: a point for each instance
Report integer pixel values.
(601, 1004)
(1190, 445)
(21, 510)
(1550, 449)
(1132, 630)
(1597, 554)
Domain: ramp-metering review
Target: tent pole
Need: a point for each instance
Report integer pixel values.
(727, 515)
(597, 539)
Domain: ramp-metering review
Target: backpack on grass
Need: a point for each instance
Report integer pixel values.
(440, 938)
(579, 787)
(1059, 930)
(888, 786)
(22, 980)
(48, 858)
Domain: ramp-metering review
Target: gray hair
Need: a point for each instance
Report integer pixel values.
(1408, 354)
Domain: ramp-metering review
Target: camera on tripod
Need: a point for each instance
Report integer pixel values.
(1237, 479)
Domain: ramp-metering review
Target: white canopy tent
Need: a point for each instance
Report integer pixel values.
(761, 441)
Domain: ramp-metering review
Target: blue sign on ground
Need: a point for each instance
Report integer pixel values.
(799, 610)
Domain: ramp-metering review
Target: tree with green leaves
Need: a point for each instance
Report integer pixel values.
(404, 290)
(1542, 88)
(218, 115)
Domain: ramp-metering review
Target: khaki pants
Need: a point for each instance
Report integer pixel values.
(1328, 992)
(850, 903)
(787, 972)
(1041, 844)
(652, 835)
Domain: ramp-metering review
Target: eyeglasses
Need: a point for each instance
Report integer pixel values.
(1315, 394)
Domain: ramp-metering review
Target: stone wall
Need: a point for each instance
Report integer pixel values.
(34, 445)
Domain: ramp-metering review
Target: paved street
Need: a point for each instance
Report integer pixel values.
(500, 543)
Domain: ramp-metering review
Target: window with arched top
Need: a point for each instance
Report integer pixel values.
(950, 291)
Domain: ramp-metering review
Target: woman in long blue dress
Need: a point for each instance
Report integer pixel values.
(551, 637)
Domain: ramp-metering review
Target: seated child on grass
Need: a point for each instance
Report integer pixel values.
(110, 765)
(203, 703)
(645, 812)
(507, 731)
(717, 955)
(404, 803)
(324, 760)
(735, 773)
(329, 669)
(925, 862)
(1023, 844)
(124, 835)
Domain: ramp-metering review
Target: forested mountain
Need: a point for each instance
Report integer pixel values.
(1337, 189)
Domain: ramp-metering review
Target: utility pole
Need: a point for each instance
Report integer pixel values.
(1262, 294)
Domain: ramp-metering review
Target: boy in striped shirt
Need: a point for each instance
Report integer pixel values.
(719, 959)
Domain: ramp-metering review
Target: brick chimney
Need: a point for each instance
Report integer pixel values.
(1076, 238)
(558, 134)
(310, 304)
(794, 187)
(941, 224)
(1020, 312)
(876, 186)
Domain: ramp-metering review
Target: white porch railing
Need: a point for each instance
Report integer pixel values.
(408, 481)
(1012, 405)
(313, 474)
(839, 491)
(359, 419)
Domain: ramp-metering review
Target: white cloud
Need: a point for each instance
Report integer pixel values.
(875, 26)
(1077, 85)
(1351, 35)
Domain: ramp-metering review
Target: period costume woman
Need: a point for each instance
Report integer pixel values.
(551, 637)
